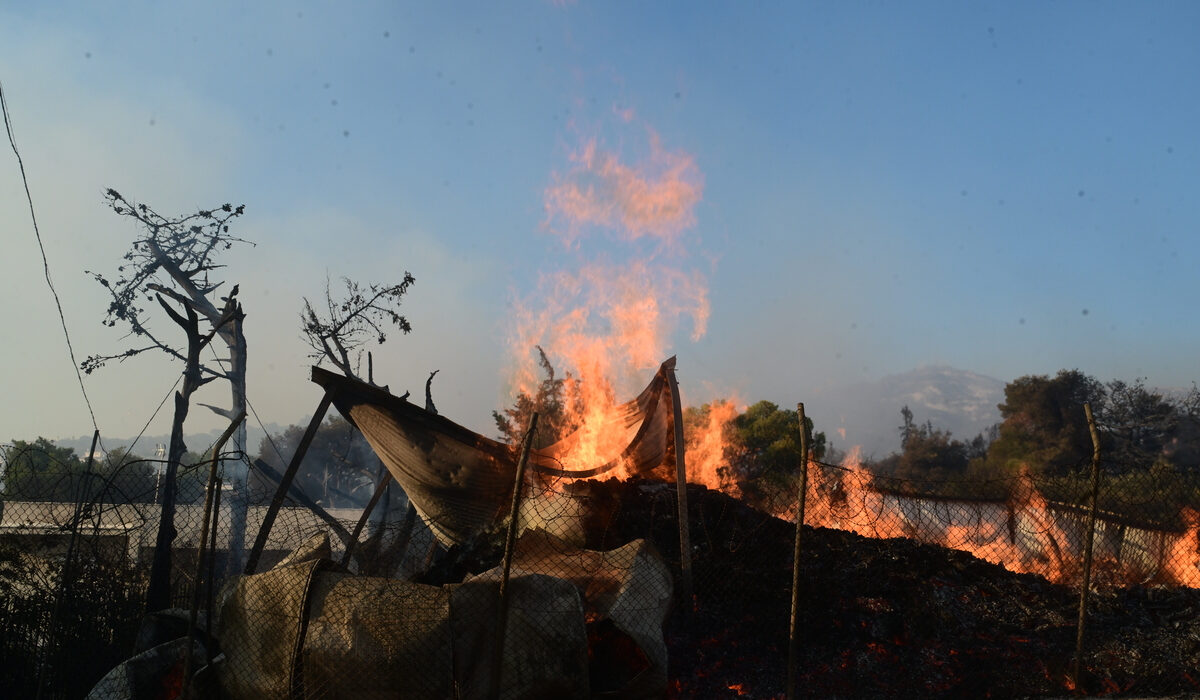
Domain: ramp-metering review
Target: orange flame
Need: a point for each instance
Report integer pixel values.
(655, 198)
(706, 447)
(1183, 560)
(609, 323)
(1021, 535)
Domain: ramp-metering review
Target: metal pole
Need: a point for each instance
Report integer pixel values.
(510, 543)
(384, 482)
(212, 567)
(685, 537)
(197, 589)
(285, 482)
(65, 576)
(793, 641)
(1077, 667)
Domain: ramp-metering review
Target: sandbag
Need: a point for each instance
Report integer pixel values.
(308, 630)
(630, 586)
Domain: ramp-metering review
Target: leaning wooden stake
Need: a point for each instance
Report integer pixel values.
(197, 589)
(384, 482)
(793, 641)
(64, 580)
(285, 482)
(685, 537)
(510, 543)
(1077, 667)
(212, 566)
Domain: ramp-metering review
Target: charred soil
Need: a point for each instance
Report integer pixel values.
(877, 618)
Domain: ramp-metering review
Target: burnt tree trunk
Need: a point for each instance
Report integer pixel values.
(158, 593)
(237, 474)
(227, 322)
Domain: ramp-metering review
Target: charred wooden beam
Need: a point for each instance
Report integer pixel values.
(285, 482)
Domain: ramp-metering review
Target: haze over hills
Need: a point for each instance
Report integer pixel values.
(197, 442)
(868, 414)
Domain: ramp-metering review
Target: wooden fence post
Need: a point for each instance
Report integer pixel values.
(510, 543)
(384, 481)
(64, 580)
(285, 482)
(793, 641)
(197, 589)
(1077, 666)
(685, 537)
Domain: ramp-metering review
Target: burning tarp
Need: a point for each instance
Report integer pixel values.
(460, 482)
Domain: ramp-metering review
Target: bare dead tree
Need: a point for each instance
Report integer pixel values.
(171, 262)
(365, 313)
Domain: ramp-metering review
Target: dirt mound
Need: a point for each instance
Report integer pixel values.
(879, 618)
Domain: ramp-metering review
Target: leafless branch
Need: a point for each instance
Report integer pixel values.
(365, 313)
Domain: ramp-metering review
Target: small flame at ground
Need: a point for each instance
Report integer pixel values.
(1023, 535)
(1183, 561)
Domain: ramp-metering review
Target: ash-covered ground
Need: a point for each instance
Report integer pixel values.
(878, 618)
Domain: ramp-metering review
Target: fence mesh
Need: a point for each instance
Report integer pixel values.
(908, 588)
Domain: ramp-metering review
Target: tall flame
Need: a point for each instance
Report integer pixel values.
(609, 323)
(706, 449)
(654, 198)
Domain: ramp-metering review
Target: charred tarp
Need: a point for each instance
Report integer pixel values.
(461, 482)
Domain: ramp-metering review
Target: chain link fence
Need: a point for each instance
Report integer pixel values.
(592, 597)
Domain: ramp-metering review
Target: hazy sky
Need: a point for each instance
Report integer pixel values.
(832, 192)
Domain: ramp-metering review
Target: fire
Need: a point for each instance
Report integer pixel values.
(846, 502)
(1183, 559)
(1021, 535)
(655, 198)
(608, 321)
(706, 447)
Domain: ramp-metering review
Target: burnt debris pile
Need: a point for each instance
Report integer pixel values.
(890, 617)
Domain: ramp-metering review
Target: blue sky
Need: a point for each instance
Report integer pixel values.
(884, 186)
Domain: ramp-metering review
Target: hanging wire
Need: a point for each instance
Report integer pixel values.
(45, 261)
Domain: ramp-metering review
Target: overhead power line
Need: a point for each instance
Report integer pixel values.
(45, 262)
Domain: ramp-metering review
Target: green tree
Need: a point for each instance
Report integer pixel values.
(928, 454)
(556, 402)
(41, 471)
(766, 443)
(126, 478)
(1138, 424)
(1043, 424)
(1183, 449)
(339, 467)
